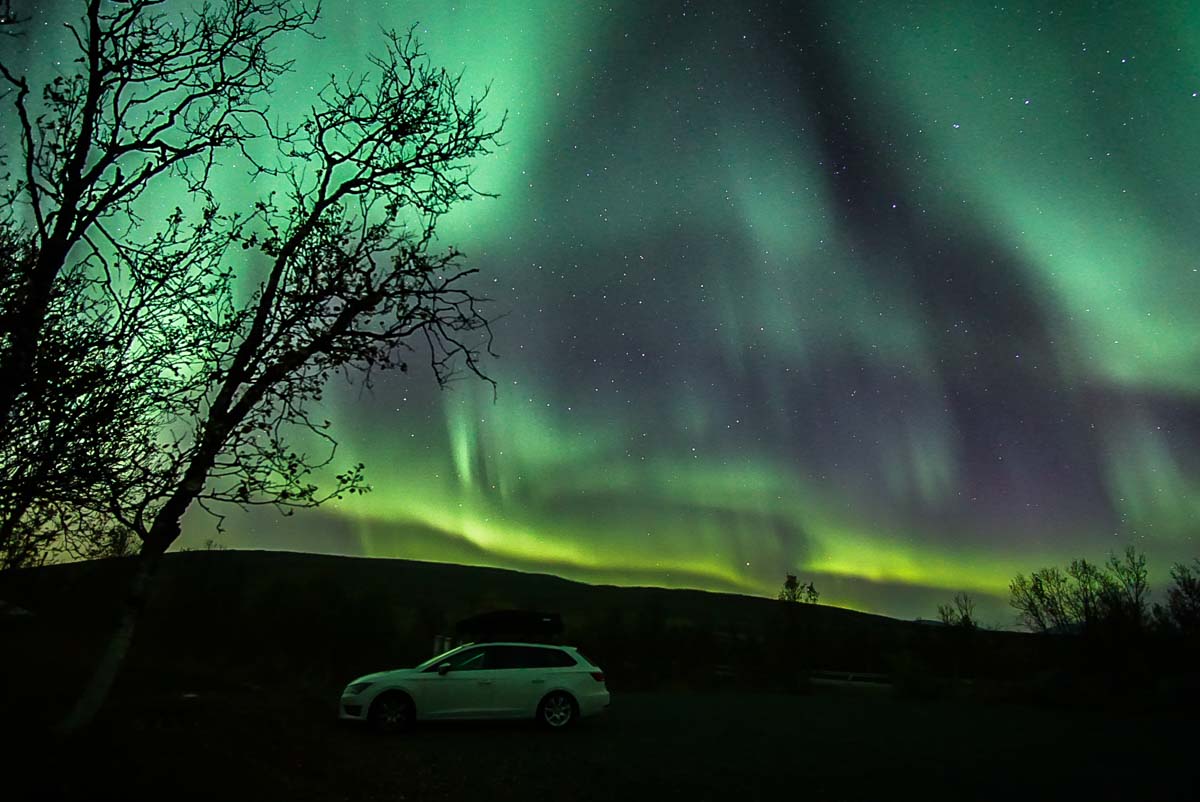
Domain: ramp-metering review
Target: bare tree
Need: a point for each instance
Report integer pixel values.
(85, 412)
(960, 614)
(1086, 596)
(156, 98)
(1128, 588)
(346, 277)
(1182, 611)
(1053, 600)
(1040, 599)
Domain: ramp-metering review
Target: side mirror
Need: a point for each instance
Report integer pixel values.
(443, 669)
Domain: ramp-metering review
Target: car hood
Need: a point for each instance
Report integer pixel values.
(378, 675)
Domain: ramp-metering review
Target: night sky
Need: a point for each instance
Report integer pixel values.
(900, 297)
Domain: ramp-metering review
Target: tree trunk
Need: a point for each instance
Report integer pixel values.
(95, 692)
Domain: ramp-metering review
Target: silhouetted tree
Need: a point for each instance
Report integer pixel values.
(960, 614)
(795, 591)
(1182, 610)
(1038, 599)
(1126, 591)
(340, 259)
(84, 410)
(1085, 596)
(85, 306)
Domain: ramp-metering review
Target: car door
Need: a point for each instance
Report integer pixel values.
(519, 680)
(465, 691)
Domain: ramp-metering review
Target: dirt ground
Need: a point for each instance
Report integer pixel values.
(826, 745)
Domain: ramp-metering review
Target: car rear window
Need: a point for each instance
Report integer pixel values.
(556, 658)
(585, 658)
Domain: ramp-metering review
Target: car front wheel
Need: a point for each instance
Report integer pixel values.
(391, 712)
(557, 711)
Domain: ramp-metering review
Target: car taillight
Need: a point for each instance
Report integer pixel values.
(598, 676)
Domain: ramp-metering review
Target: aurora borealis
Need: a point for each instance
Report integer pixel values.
(904, 298)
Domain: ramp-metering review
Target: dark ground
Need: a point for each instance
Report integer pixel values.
(828, 745)
(230, 693)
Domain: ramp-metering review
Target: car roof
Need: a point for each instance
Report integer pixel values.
(520, 643)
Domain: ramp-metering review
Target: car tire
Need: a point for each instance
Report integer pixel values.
(391, 711)
(557, 711)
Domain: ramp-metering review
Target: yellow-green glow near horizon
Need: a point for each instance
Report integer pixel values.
(905, 299)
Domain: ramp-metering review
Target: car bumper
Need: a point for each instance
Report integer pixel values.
(593, 704)
(352, 708)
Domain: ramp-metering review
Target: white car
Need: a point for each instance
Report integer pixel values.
(554, 684)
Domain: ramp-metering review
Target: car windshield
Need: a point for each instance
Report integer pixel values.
(438, 658)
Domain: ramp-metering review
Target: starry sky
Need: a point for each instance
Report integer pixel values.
(900, 297)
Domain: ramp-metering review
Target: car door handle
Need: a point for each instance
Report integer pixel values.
(485, 682)
(538, 681)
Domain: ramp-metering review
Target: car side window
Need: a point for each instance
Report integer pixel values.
(506, 657)
(528, 657)
(509, 657)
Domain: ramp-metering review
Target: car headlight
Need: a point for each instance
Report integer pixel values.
(356, 688)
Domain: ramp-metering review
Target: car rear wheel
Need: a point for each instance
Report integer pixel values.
(557, 711)
(391, 712)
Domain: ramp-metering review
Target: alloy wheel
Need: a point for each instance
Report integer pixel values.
(391, 713)
(557, 711)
